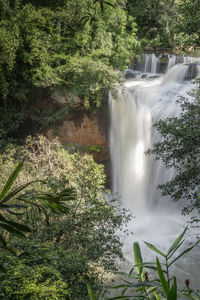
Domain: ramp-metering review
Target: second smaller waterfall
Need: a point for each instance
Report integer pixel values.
(150, 63)
(159, 64)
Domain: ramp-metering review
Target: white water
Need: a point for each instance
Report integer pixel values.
(172, 61)
(151, 63)
(139, 104)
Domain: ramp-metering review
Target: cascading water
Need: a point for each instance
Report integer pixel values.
(172, 61)
(151, 62)
(140, 103)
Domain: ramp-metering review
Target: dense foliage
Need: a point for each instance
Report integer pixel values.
(155, 20)
(16, 203)
(164, 24)
(45, 46)
(85, 238)
(35, 274)
(188, 25)
(48, 46)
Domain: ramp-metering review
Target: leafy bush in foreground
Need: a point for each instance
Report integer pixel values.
(45, 270)
(14, 204)
(89, 229)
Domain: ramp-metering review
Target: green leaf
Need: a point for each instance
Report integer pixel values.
(162, 277)
(2, 240)
(149, 265)
(185, 251)
(90, 292)
(138, 257)
(53, 205)
(2, 269)
(188, 296)
(151, 289)
(13, 212)
(12, 229)
(108, 3)
(179, 245)
(13, 250)
(173, 291)
(17, 190)
(175, 245)
(156, 297)
(19, 226)
(40, 207)
(126, 297)
(152, 247)
(16, 225)
(131, 271)
(54, 201)
(10, 181)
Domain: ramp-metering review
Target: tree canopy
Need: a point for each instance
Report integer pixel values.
(74, 45)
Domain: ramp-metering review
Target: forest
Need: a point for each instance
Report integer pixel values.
(60, 236)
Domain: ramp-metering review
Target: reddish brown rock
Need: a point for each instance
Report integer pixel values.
(80, 128)
(86, 133)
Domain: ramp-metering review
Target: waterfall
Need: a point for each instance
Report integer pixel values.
(138, 104)
(154, 63)
(176, 74)
(147, 63)
(190, 60)
(159, 64)
(171, 62)
(150, 63)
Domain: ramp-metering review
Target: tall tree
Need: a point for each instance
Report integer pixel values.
(188, 26)
(155, 19)
(49, 47)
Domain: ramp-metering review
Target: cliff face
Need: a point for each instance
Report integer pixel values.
(83, 129)
(85, 132)
(77, 128)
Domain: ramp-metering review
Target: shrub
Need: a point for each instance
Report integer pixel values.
(90, 228)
